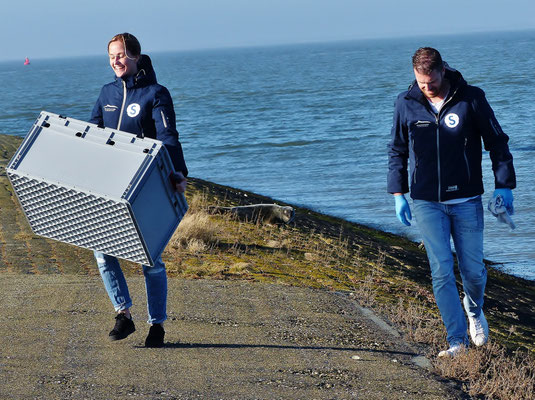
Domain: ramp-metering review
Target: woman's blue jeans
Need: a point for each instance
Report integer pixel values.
(462, 222)
(115, 284)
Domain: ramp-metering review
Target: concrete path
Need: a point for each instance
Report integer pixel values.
(225, 340)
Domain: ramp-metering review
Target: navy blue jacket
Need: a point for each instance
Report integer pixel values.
(445, 150)
(139, 105)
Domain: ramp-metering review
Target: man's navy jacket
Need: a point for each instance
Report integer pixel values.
(445, 150)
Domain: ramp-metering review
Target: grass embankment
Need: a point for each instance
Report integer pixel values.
(380, 270)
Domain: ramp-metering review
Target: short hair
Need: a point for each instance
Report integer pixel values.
(130, 42)
(426, 60)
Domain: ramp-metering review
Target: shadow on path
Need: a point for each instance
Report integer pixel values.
(179, 345)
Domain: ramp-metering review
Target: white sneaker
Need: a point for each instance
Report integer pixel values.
(452, 352)
(479, 329)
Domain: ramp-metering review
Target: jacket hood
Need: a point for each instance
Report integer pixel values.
(145, 74)
(456, 81)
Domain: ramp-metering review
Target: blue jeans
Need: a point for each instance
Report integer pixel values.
(464, 224)
(115, 284)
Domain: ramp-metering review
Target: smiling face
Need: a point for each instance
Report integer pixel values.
(122, 63)
(432, 85)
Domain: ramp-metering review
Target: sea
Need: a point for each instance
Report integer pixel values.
(309, 124)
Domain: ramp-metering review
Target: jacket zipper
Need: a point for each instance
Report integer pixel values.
(438, 155)
(466, 159)
(437, 117)
(122, 106)
(163, 119)
(413, 178)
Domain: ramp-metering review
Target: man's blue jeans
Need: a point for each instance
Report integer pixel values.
(115, 284)
(464, 223)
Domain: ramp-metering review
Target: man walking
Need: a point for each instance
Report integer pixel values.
(437, 130)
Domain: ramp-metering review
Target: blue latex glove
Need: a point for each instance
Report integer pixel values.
(507, 196)
(403, 211)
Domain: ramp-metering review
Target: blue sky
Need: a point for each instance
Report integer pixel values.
(63, 28)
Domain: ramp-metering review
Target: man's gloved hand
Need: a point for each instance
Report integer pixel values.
(507, 196)
(403, 211)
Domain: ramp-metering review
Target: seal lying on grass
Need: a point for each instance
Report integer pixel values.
(267, 213)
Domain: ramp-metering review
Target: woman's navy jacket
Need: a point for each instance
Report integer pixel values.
(141, 106)
(445, 150)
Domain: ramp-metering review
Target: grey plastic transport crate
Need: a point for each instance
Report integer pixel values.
(97, 188)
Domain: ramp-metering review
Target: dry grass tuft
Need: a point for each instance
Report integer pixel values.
(196, 246)
(418, 322)
(365, 291)
(194, 228)
(240, 268)
(198, 203)
(197, 231)
(493, 372)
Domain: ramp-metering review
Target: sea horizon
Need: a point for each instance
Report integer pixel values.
(283, 44)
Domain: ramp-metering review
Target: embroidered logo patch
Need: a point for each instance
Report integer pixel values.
(451, 120)
(423, 124)
(133, 110)
(109, 107)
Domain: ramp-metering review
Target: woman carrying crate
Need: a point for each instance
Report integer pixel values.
(134, 102)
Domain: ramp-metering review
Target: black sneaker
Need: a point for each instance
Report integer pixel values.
(123, 327)
(155, 336)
